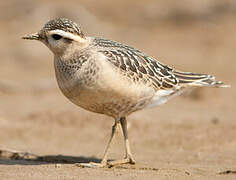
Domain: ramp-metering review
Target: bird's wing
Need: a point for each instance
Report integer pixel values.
(136, 64)
(196, 79)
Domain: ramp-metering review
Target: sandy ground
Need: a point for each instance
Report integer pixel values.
(190, 137)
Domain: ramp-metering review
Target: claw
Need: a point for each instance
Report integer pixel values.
(91, 165)
(122, 161)
(109, 164)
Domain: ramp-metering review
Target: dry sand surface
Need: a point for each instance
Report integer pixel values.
(191, 137)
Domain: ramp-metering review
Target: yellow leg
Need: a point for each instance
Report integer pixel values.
(104, 159)
(128, 157)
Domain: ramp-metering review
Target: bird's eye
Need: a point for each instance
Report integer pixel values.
(56, 36)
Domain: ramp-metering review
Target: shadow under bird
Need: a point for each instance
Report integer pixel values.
(111, 78)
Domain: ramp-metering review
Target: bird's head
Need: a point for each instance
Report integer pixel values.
(60, 35)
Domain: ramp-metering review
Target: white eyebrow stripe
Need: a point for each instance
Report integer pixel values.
(67, 35)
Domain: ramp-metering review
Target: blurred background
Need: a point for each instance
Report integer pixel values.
(190, 35)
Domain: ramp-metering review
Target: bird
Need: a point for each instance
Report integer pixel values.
(110, 78)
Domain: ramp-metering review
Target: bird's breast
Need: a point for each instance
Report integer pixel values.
(99, 87)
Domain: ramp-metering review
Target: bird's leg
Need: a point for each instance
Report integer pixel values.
(114, 127)
(127, 146)
(128, 157)
(104, 160)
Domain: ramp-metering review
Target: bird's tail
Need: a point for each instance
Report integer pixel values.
(194, 79)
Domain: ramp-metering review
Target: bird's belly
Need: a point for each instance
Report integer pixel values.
(108, 93)
(110, 96)
(109, 102)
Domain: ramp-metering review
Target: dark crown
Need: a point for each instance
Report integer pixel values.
(63, 24)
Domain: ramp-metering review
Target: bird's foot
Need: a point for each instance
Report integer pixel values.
(128, 160)
(92, 165)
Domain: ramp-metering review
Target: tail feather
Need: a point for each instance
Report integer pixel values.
(195, 79)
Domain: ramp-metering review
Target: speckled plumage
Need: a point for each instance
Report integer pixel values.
(63, 24)
(137, 65)
(111, 78)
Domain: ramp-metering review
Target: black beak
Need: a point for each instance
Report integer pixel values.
(34, 36)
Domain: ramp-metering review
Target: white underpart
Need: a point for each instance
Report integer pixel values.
(68, 35)
(162, 96)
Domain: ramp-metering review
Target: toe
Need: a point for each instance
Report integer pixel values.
(91, 165)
